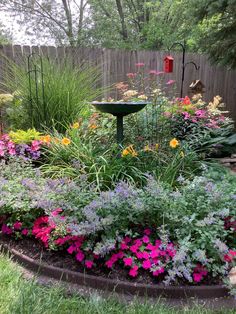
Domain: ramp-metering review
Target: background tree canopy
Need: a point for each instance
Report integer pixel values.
(208, 26)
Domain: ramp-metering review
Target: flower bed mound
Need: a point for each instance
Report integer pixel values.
(33, 249)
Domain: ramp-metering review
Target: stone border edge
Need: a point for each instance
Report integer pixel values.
(110, 285)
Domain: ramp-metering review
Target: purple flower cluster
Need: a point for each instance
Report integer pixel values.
(27, 151)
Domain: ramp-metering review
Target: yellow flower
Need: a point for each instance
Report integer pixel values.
(147, 148)
(157, 146)
(75, 125)
(143, 97)
(45, 139)
(125, 152)
(182, 154)
(174, 143)
(65, 141)
(130, 93)
(129, 151)
(93, 126)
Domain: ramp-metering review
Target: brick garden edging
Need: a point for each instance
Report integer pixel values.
(100, 283)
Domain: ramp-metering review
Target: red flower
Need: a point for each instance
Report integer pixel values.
(186, 101)
(228, 258)
(133, 271)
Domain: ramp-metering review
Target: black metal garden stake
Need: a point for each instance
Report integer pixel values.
(36, 81)
(183, 46)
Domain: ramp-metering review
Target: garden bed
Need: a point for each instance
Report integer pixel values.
(34, 257)
(24, 252)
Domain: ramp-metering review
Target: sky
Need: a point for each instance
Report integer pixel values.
(19, 37)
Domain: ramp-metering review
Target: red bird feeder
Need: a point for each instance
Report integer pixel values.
(168, 64)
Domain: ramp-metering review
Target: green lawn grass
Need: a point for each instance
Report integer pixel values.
(18, 296)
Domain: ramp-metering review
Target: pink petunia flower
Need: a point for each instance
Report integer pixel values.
(146, 239)
(146, 255)
(89, 264)
(128, 261)
(80, 256)
(147, 264)
(17, 225)
(133, 271)
(25, 232)
(232, 252)
(197, 277)
(71, 249)
(147, 231)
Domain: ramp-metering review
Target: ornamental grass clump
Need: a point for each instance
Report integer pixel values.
(58, 100)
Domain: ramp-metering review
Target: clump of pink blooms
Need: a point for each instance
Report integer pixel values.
(28, 151)
(192, 113)
(136, 254)
(143, 253)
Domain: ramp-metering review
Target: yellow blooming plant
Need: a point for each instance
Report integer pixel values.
(174, 143)
(46, 139)
(129, 151)
(65, 141)
(75, 125)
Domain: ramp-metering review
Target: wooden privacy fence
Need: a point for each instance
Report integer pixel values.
(115, 63)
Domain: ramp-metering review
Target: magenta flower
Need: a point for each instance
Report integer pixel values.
(186, 115)
(160, 72)
(146, 239)
(25, 232)
(146, 255)
(155, 253)
(17, 225)
(71, 249)
(147, 231)
(109, 263)
(123, 246)
(6, 229)
(89, 264)
(80, 256)
(147, 264)
(139, 255)
(56, 212)
(134, 248)
(232, 252)
(128, 261)
(197, 277)
(134, 271)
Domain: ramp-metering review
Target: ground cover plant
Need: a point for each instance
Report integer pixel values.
(137, 229)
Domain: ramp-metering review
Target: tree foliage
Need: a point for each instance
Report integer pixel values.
(206, 25)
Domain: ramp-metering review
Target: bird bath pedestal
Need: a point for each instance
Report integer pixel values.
(119, 110)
